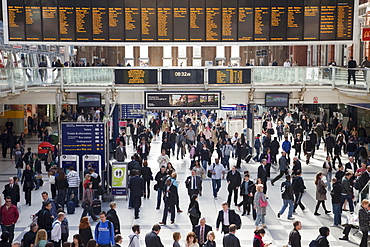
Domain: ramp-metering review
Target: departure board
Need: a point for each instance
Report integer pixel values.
(50, 25)
(180, 20)
(278, 20)
(83, 20)
(99, 20)
(328, 13)
(311, 20)
(344, 19)
(262, 20)
(32, 11)
(229, 76)
(132, 20)
(148, 20)
(197, 20)
(136, 76)
(213, 20)
(182, 76)
(116, 20)
(230, 20)
(67, 20)
(16, 20)
(245, 20)
(164, 20)
(295, 20)
(193, 21)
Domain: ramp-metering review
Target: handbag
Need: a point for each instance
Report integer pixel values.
(193, 212)
(155, 187)
(52, 179)
(263, 204)
(322, 190)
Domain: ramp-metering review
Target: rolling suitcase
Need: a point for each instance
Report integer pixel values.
(248, 158)
(70, 207)
(96, 205)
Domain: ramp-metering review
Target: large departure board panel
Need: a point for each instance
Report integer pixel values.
(229, 76)
(135, 76)
(182, 76)
(178, 20)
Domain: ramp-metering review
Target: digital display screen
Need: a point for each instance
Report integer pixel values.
(16, 20)
(33, 20)
(100, 17)
(88, 99)
(229, 76)
(179, 20)
(276, 100)
(136, 76)
(186, 100)
(182, 76)
(67, 20)
(50, 20)
(132, 20)
(116, 20)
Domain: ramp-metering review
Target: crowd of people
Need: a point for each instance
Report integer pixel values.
(203, 138)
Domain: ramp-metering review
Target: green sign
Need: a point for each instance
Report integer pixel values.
(119, 179)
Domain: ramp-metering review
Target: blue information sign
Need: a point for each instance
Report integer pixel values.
(84, 138)
(127, 111)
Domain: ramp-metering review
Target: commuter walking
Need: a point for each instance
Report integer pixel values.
(73, 180)
(194, 211)
(152, 239)
(9, 216)
(364, 219)
(87, 201)
(283, 167)
(257, 147)
(147, 176)
(287, 195)
(298, 189)
(104, 231)
(56, 232)
(61, 184)
(133, 237)
(12, 190)
(217, 170)
(233, 179)
(113, 217)
(327, 171)
(260, 205)
(294, 235)
(336, 200)
(320, 194)
(136, 186)
(28, 183)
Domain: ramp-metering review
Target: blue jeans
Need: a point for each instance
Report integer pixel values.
(159, 197)
(19, 172)
(257, 157)
(328, 176)
(349, 200)
(337, 210)
(204, 164)
(216, 185)
(285, 205)
(226, 162)
(74, 191)
(260, 218)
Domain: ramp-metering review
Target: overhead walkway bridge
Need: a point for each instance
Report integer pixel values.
(306, 84)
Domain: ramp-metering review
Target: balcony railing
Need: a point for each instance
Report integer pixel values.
(16, 79)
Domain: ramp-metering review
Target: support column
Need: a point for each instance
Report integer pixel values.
(197, 56)
(299, 54)
(220, 56)
(182, 58)
(129, 55)
(235, 56)
(167, 56)
(144, 56)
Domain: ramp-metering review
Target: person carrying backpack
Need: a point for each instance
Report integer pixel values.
(104, 231)
(288, 197)
(321, 241)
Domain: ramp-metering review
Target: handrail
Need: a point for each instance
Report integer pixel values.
(14, 79)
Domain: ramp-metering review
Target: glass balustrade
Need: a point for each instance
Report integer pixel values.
(12, 79)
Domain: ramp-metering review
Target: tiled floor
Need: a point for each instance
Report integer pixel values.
(277, 229)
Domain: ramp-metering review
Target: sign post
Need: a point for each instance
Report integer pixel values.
(119, 179)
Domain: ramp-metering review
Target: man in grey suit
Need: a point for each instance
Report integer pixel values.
(121, 152)
(194, 184)
(230, 240)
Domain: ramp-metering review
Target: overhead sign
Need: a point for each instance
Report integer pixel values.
(182, 76)
(366, 34)
(178, 20)
(84, 139)
(183, 100)
(128, 111)
(135, 76)
(229, 76)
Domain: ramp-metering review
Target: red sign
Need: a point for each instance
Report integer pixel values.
(366, 34)
(315, 100)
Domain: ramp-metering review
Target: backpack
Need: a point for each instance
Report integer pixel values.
(238, 221)
(285, 189)
(315, 242)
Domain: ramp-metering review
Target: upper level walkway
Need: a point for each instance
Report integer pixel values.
(269, 78)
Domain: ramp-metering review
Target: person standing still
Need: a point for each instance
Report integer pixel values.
(351, 71)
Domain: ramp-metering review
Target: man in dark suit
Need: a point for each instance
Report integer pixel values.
(226, 217)
(329, 145)
(166, 134)
(262, 174)
(133, 165)
(12, 190)
(135, 133)
(194, 184)
(143, 150)
(121, 152)
(118, 240)
(202, 230)
(351, 165)
(211, 145)
(170, 196)
(230, 240)
(136, 186)
(152, 239)
(234, 180)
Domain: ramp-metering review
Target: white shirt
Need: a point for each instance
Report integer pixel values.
(287, 64)
(218, 169)
(226, 218)
(193, 183)
(56, 232)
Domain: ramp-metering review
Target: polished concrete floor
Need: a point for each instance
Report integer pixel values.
(277, 229)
